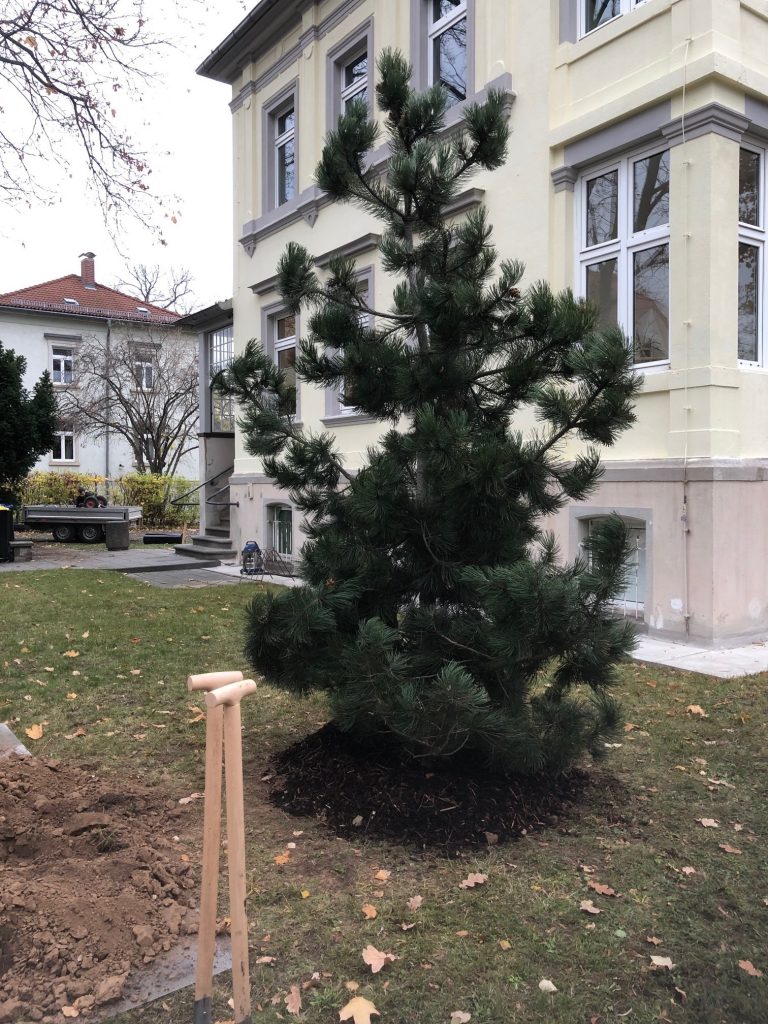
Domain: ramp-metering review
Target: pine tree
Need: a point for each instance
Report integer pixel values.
(435, 608)
(27, 422)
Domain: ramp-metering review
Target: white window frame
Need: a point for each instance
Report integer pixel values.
(144, 373)
(436, 29)
(755, 235)
(60, 436)
(351, 92)
(625, 7)
(65, 354)
(281, 141)
(220, 345)
(285, 344)
(625, 246)
(273, 527)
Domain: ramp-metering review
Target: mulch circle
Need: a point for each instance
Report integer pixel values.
(441, 807)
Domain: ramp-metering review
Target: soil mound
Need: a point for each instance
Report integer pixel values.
(93, 887)
(444, 807)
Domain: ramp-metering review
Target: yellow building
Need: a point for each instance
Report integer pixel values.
(636, 175)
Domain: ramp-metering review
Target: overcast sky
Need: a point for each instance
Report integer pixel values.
(185, 123)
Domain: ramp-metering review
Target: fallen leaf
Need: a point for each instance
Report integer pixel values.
(708, 822)
(696, 709)
(587, 869)
(460, 1017)
(603, 890)
(351, 986)
(48, 668)
(70, 1011)
(382, 875)
(663, 961)
(473, 879)
(358, 1010)
(653, 940)
(688, 870)
(738, 828)
(265, 960)
(293, 1000)
(407, 927)
(505, 944)
(135, 671)
(369, 911)
(546, 985)
(682, 996)
(589, 908)
(415, 902)
(749, 968)
(35, 732)
(357, 821)
(297, 834)
(71, 654)
(491, 838)
(305, 894)
(290, 846)
(86, 634)
(728, 849)
(376, 959)
(629, 726)
(462, 934)
(190, 798)
(71, 696)
(282, 858)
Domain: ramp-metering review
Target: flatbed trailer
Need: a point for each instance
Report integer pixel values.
(68, 523)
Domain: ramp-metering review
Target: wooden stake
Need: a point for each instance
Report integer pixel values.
(206, 935)
(230, 696)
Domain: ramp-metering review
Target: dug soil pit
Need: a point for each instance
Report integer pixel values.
(443, 806)
(95, 885)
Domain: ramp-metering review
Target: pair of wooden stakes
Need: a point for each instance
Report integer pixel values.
(223, 742)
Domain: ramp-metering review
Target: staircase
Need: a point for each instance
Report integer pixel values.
(214, 546)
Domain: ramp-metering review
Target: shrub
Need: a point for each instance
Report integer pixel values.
(57, 488)
(155, 493)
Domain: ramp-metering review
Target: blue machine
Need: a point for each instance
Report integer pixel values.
(252, 560)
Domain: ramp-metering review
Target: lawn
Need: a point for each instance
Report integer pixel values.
(99, 662)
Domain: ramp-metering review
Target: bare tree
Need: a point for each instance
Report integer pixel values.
(143, 386)
(64, 64)
(170, 290)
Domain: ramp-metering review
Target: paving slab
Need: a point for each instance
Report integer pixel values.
(724, 663)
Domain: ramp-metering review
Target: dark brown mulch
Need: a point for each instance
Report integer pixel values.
(441, 807)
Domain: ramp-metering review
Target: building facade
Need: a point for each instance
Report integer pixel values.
(49, 324)
(636, 176)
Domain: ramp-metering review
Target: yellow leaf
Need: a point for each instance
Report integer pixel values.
(70, 1011)
(135, 671)
(358, 1010)
(71, 654)
(35, 732)
(376, 959)
(749, 968)
(382, 875)
(505, 944)
(293, 1000)
(473, 879)
(369, 911)
(86, 634)
(71, 696)
(282, 858)
(696, 709)
(305, 894)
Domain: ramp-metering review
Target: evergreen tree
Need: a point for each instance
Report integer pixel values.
(435, 609)
(27, 422)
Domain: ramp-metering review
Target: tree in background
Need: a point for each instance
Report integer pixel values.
(64, 67)
(170, 290)
(27, 422)
(143, 387)
(435, 609)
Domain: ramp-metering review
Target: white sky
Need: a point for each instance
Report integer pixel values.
(185, 124)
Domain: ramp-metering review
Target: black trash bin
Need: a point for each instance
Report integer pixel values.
(6, 533)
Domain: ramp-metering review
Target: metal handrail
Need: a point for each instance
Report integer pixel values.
(210, 501)
(210, 480)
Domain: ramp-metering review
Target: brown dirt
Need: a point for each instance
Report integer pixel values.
(93, 886)
(444, 807)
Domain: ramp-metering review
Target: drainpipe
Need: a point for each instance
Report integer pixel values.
(107, 409)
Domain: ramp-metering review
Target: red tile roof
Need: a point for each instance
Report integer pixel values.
(99, 301)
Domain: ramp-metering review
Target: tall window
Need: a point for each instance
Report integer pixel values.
(624, 250)
(354, 80)
(220, 352)
(285, 351)
(596, 13)
(448, 47)
(285, 156)
(63, 365)
(751, 256)
(63, 446)
(280, 526)
(363, 291)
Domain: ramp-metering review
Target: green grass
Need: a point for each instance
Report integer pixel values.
(636, 828)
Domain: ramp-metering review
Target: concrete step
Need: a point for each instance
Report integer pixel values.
(208, 540)
(217, 531)
(213, 556)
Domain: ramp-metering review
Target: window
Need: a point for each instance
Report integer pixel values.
(63, 446)
(631, 600)
(280, 145)
(624, 250)
(220, 352)
(63, 365)
(280, 529)
(354, 81)
(751, 257)
(285, 351)
(448, 47)
(364, 320)
(285, 156)
(349, 72)
(596, 13)
(145, 374)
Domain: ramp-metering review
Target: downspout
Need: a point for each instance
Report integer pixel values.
(107, 409)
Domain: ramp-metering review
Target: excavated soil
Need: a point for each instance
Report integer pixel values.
(93, 885)
(444, 807)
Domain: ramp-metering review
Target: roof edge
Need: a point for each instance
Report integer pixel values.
(221, 65)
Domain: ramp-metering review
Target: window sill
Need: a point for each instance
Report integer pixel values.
(348, 419)
(63, 462)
